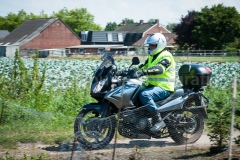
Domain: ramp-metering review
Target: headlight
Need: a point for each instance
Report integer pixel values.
(99, 86)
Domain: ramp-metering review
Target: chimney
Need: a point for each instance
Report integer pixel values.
(157, 21)
(124, 22)
(141, 21)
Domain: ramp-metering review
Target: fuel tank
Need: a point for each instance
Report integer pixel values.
(124, 95)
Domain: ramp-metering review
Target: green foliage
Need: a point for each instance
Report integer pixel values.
(231, 49)
(235, 44)
(40, 156)
(12, 21)
(219, 111)
(170, 26)
(28, 125)
(77, 19)
(127, 20)
(151, 20)
(216, 27)
(70, 101)
(211, 28)
(24, 86)
(237, 115)
(31, 112)
(111, 26)
(184, 31)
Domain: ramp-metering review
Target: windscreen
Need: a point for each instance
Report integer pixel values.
(102, 77)
(107, 63)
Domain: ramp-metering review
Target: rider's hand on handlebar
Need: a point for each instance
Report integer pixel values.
(118, 73)
(121, 73)
(141, 65)
(141, 72)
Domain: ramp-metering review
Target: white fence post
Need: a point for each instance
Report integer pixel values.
(232, 120)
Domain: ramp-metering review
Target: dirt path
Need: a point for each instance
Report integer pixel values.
(124, 149)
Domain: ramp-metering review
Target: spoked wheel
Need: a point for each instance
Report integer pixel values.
(92, 131)
(189, 127)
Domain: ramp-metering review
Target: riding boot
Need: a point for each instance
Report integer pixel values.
(158, 122)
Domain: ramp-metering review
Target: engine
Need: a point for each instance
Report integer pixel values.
(144, 123)
(129, 117)
(135, 120)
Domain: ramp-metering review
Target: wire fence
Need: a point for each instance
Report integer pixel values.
(125, 135)
(202, 53)
(179, 55)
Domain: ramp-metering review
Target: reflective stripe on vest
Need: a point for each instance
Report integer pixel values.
(166, 80)
(161, 79)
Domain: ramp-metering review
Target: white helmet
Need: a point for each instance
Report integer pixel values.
(156, 38)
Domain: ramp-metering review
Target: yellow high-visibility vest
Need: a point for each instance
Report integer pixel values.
(166, 80)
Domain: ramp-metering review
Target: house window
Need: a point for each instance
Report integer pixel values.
(81, 50)
(120, 37)
(100, 50)
(67, 50)
(109, 36)
(84, 37)
(129, 37)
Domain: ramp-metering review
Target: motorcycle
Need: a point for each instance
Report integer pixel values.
(119, 109)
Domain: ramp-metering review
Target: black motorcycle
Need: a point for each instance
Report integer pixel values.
(118, 106)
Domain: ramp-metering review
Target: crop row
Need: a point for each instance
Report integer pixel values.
(61, 73)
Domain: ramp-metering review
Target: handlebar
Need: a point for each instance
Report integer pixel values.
(121, 73)
(133, 73)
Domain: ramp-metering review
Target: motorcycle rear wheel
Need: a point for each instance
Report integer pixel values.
(92, 131)
(191, 129)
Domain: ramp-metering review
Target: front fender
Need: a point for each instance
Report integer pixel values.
(100, 108)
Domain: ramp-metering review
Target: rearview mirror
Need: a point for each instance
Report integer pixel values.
(135, 61)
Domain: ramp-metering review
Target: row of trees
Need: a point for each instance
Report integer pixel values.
(77, 19)
(211, 28)
(217, 27)
(111, 26)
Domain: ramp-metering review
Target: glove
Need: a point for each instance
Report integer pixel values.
(135, 69)
(142, 72)
(119, 73)
(141, 65)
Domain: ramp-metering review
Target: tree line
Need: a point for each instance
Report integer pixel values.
(217, 27)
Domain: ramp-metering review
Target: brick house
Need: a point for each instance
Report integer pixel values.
(96, 42)
(124, 39)
(138, 32)
(39, 34)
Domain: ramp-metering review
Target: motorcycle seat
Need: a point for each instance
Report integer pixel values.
(179, 91)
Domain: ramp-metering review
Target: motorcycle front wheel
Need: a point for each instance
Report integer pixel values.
(189, 127)
(92, 131)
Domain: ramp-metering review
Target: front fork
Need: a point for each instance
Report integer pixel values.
(107, 109)
(104, 109)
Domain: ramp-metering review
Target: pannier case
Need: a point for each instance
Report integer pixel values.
(194, 75)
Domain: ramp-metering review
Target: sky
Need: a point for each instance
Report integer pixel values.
(104, 11)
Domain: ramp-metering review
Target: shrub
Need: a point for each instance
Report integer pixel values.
(219, 119)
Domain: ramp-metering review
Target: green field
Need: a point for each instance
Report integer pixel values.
(28, 116)
(177, 58)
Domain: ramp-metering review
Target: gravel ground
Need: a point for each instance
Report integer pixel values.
(154, 149)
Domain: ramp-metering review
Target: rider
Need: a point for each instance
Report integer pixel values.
(159, 69)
